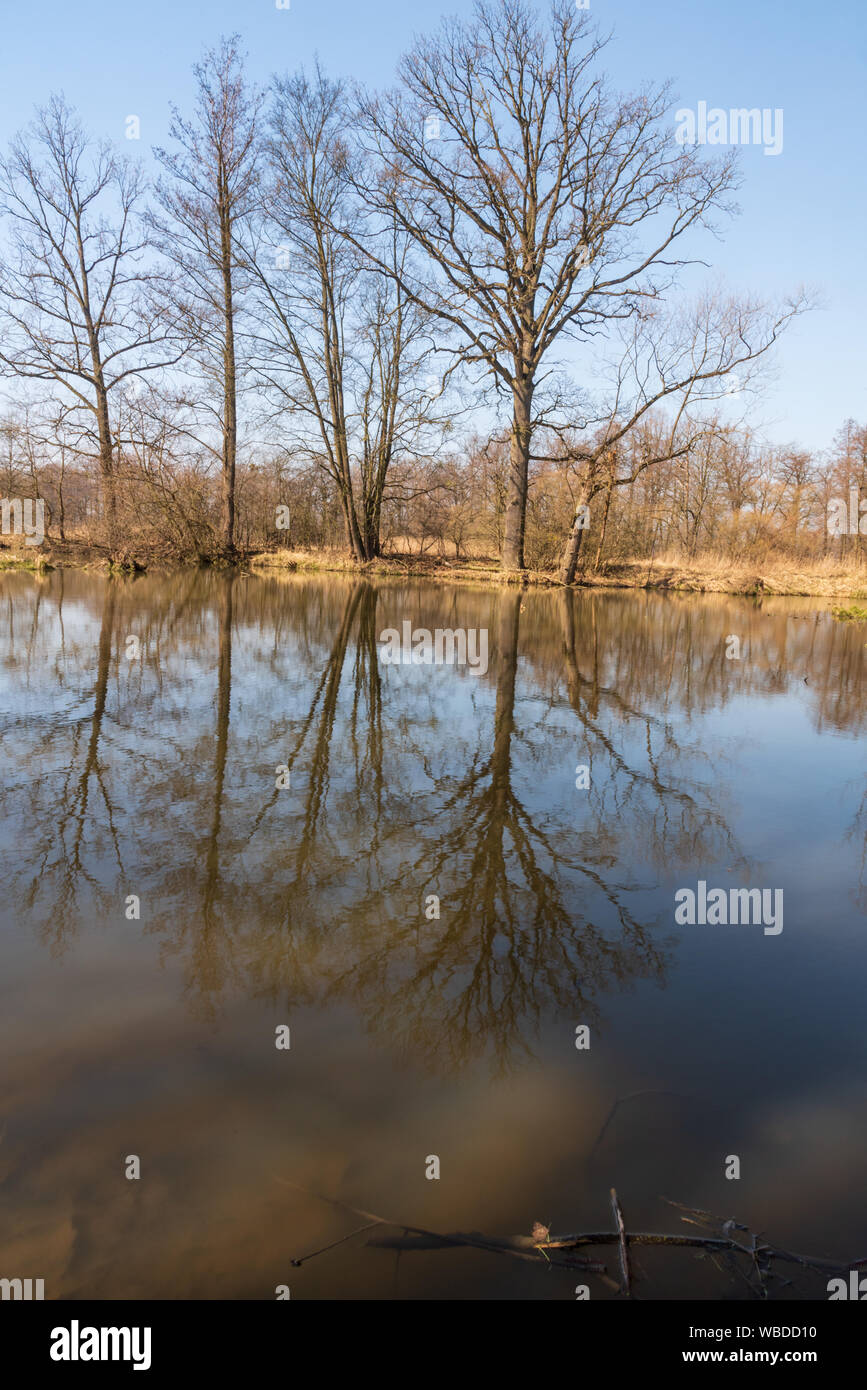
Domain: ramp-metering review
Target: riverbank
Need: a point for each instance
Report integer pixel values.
(701, 577)
(707, 575)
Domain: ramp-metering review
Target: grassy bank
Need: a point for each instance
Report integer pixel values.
(705, 575)
(701, 576)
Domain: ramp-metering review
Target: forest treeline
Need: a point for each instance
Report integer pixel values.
(460, 316)
(734, 500)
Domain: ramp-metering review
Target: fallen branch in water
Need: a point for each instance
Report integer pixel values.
(757, 1251)
(519, 1247)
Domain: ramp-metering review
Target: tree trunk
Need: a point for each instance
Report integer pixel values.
(230, 418)
(372, 506)
(230, 438)
(519, 463)
(601, 545)
(61, 508)
(106, 473)
(569, 560)
(354, 538)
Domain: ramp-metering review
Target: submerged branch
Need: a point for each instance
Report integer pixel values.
(758, 1251)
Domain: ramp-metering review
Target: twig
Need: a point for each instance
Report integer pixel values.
(624, 1254)
(304, 1258)
(622, 1100)
(764, 1250)
(433, 1240)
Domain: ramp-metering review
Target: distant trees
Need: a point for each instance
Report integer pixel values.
(726, 497)
(849, 480)
(683, 358)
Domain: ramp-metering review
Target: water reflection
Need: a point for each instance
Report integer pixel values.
(155, 776)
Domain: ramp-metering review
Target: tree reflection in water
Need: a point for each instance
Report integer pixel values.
(405, 783)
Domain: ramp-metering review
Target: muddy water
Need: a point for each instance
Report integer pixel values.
(147, 770)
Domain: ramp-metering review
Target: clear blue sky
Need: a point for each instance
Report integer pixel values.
(804, 213)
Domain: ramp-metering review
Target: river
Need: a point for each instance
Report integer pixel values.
(449, 893)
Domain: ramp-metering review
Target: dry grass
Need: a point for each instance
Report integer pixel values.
(712, 575)
(667, 572)
(27, 558)
(716, 575)
(399, 565)
(76, 554)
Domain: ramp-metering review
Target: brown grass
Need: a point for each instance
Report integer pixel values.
(715, 575)
(708, 574)
(482, 570)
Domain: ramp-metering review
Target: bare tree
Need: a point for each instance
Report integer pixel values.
(207, 201)
(76, 290)
(526, 182)
(307, 290)
(342, 347)
(400, 398)
(683, 357)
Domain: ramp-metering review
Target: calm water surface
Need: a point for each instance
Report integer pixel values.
(154, 775)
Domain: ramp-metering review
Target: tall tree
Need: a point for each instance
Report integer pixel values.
(403, 410)
(207, 201)
(341, 347)
(76, 289)
(548, 205)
